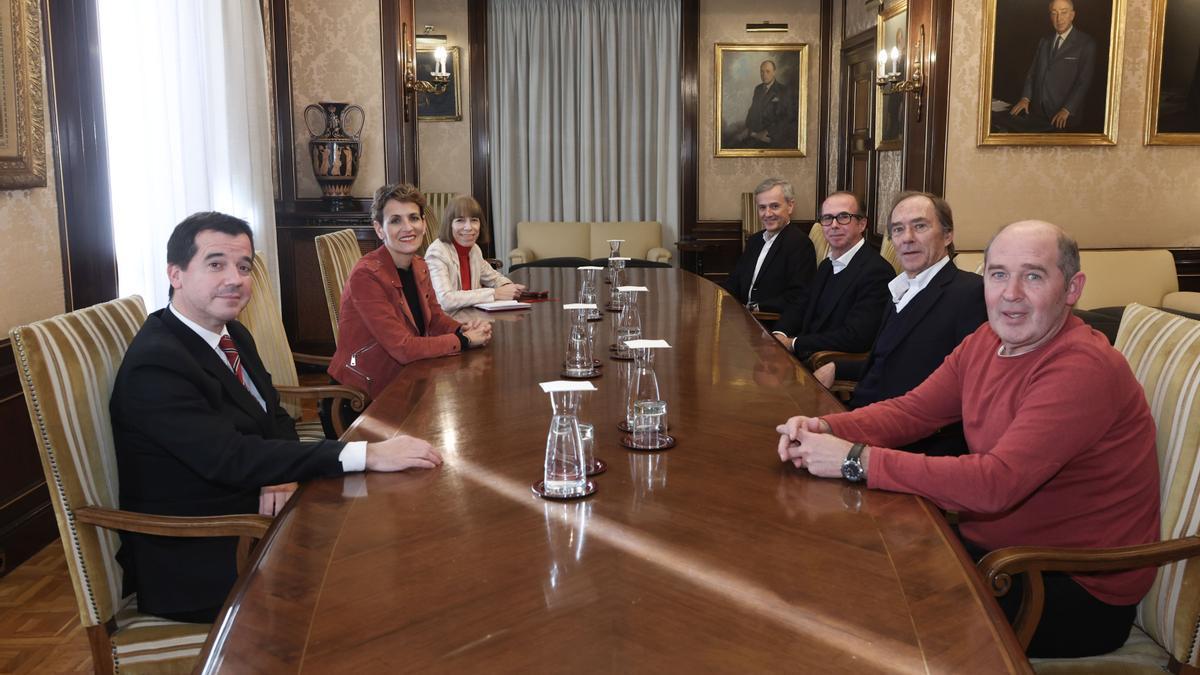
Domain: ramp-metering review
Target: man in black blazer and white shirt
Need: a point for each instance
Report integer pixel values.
(779, 260)
(199, 430)
(844, 305)
(934, 307)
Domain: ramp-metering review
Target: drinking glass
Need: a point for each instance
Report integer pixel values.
(649, 423)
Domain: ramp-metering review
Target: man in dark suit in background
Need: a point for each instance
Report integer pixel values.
(199, 430)
(934, 306)
(845, 301)
(779, 260)
(773, 117)
(1057, 81)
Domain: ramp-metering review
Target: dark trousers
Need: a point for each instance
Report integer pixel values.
(1074, 623)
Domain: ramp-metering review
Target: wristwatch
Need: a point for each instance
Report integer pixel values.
(853, 469)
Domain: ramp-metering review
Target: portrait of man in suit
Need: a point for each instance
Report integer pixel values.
(1050, 82)
(759, 101)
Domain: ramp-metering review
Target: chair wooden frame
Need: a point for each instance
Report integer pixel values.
(999, 566)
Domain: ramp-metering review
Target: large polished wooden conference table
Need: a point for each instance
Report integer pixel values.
(712, 556)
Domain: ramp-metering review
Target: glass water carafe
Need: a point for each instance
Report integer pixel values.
(615, 277)
(565, 472)
(587, 290)
(579, 346)
(629, 326)
(642, 384)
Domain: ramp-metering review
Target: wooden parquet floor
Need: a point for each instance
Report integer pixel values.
(39, 620)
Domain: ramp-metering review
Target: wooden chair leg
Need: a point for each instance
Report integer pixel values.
(100, 640)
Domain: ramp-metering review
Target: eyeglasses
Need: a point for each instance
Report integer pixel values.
(844, 218)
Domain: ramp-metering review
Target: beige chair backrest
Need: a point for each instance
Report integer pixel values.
(750, 223)
(1116, 278)
(262, 317)
(817, 234)
(549, 239)
(1163, 351)
(337, 253)
(970, 261)
(888, 251)
(435, 206)
(67, 366)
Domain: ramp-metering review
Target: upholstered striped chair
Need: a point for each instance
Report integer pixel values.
(1163, 350)
(337, 253)
(67, 366)
(435, 206)
(888, 251)
(820, 243)
(262, 317)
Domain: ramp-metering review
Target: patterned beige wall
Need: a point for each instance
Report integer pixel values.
(335, 56)
(724, 179)
(31, 256)
(1109, 197)
(446, 146)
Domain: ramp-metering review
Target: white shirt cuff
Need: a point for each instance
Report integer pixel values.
(354, 457)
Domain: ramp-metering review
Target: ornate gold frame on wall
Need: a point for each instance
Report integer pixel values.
(890, 12)
(1158, 17)
(1112, 92)
(801, 92)
(22, 126)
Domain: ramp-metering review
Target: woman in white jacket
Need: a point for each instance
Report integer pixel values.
(460, 275)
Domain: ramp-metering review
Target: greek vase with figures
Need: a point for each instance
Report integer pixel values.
(335, 149)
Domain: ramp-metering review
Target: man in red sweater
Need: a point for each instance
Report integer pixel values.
(1061, 440)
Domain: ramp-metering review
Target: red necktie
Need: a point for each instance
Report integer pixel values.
(235, 359)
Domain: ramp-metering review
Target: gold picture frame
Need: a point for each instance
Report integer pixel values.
(445, 107)
(779, 111)
(22, 125)
(1006, 29)
(889, 108)
(1177, 131)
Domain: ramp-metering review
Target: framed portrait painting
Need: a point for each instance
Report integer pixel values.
(22, 127)
(762, 100)
(1173, 83)
(1050, 72)
(890, 31)
(447, 106)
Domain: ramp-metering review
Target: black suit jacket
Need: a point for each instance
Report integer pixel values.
(192, 441)
(850, 320)
(913, 343)
(784, 274)
(1061, 79)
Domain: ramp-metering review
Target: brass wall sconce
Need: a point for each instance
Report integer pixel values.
(439, 78)
(889, 80)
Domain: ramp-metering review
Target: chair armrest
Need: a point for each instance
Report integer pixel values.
(494, 262)
(1182, 301)
(843, 389)
(998, 567)
(247, 525)
(519, 256)
(337, 392)
(819, 359)
(658, 254)
(312, 359)
(765, 316)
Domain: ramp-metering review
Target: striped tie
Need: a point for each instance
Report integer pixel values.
(235, 359)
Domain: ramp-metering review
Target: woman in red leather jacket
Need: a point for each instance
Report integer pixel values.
(390, 315)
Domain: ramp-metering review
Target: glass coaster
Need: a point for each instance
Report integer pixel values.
(598, 467)
(595, 372)
(539, 489)
(667, 443)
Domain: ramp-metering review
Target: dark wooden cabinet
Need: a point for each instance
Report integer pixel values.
(305, 316)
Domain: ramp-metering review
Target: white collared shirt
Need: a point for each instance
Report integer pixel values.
(1064, 35)
(353, 457)
(768, 239)
(840, 262)
(905, 289)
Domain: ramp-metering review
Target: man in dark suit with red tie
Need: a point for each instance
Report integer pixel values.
(199, 430)
(845, 301)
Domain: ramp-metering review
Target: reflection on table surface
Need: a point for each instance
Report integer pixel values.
(710, 556)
